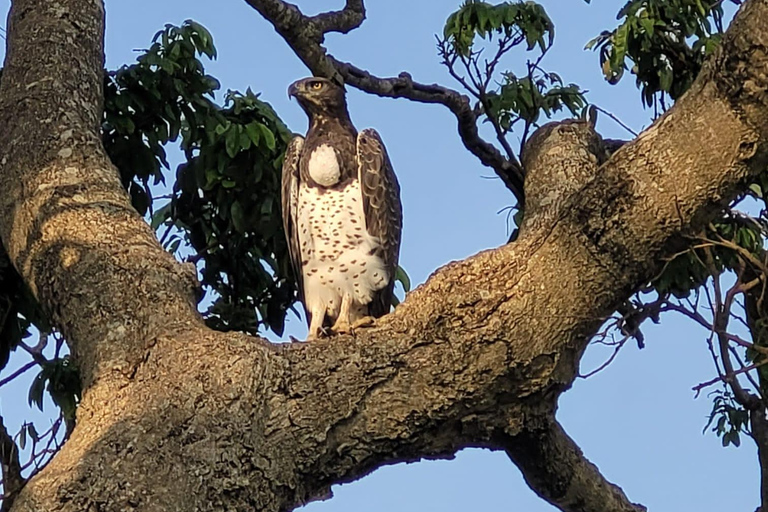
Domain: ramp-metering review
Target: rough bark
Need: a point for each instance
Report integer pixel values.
(11, 468)
(555, 468)
(177, 417)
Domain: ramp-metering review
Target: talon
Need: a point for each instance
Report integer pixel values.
(322, 332)
(342, 327)
(366, 321)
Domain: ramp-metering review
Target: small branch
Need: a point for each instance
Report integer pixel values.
(617, 120)
(18, 372)
(728, 377)
(607, 362)
(13, 482)
(721, 317)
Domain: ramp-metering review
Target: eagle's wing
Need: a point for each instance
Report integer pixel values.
(290, 207)
(382, 208)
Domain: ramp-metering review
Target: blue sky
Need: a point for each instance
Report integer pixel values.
(637, 420)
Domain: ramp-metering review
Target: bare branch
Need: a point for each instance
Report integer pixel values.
(18, 372)
(345, 20)
(727, 378)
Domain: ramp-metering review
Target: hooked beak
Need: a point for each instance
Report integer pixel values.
(293, 90)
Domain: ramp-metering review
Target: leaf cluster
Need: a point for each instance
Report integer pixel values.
(503, 99)
(666, 42)
(520, 21)
(727, 419)
(225, 200)
(527, 98)
(722, 247)
(61, 379)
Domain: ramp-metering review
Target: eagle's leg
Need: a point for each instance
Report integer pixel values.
(316, 325)
(342, 325)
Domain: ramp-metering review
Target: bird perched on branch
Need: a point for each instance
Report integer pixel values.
(341, 213)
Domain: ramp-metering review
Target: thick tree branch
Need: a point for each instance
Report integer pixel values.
(305, 36)
(11, 468)
(177, 417)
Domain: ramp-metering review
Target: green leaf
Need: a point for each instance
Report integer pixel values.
(238, 217)
(253, 130)
(22, 437)
(36, 390)
(232, 143)
(402, 277)
(269, 137)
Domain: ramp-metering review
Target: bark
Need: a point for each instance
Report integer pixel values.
(554, 466)
(759, 426)
(11, 468)
(756, 315)
(177, 417)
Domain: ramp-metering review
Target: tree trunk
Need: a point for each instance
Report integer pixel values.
(177, 417)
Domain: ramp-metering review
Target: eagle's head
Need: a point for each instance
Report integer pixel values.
(319, 96)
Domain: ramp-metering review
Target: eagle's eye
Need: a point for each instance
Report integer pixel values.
(316, 86)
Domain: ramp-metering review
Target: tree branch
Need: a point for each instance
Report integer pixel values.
(345, 20)
(177, 417)
(556, 469)
(305, 36)
(12, 482)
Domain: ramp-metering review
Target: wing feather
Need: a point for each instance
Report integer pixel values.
(290, 208)
(382, 208)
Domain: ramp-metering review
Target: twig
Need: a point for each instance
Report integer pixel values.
(728, 378)
(616, 119)
(607, 362)
(18, 372)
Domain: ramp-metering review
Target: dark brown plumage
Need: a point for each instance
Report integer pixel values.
(341, 213)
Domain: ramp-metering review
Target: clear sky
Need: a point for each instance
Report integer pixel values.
(637, 420)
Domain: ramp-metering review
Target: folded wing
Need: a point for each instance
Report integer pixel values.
(382, 209)
(290, 208)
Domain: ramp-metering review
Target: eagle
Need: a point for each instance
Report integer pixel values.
(341, 213)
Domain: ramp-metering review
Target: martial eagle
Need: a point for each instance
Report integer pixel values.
(341, 213)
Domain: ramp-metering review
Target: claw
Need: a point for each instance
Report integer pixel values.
(342, 327)
(366, 321)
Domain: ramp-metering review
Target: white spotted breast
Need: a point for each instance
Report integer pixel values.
(323, 166)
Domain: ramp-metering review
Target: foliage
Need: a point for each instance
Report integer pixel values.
(520, 21)
(62, 381)
(732, 419)
(665, 40)
(526, 98)
(507, 98)
(718, 250)
(225, 201)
